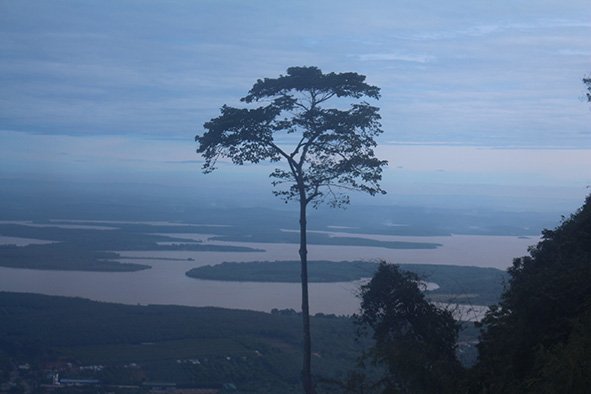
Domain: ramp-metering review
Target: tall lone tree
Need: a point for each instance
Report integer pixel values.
(324, 152)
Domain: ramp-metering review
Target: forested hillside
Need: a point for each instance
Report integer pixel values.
(538, 338)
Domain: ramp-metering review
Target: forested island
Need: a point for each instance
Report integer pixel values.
(471, 285)
(90, 249)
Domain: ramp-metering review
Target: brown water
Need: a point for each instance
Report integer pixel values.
(166, 282)
(465, 250)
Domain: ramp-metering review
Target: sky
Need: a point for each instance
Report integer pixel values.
(479, 98)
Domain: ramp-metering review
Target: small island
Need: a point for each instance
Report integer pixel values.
(456, 283)
(92, 249)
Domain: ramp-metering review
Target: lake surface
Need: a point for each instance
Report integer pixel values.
(166, 282)
(465, 250)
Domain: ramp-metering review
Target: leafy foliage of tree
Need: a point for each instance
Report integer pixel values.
(332, 148)
(327, 151)
(538, 338)
(414, 339)
(587, 81)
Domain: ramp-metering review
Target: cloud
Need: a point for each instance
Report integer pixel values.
(369, 57)
(448, 72)
(574, 52)
(481, 30)
(184, 162)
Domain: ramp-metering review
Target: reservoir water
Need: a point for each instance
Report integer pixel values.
(166, 282)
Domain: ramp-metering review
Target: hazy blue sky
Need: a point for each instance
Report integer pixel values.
(478, 97)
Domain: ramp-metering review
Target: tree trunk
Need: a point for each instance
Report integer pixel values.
(306, 369)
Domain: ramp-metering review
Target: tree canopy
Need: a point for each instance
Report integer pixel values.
(327, 150)
(414, 339)
(537, 339)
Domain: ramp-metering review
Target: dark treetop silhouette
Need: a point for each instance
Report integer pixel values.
(326, 151)
(414, 339)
